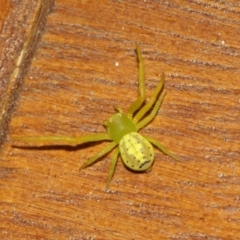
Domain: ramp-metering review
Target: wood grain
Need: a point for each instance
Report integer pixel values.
(20, 23)
(85, 63)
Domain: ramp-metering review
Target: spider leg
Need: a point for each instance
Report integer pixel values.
(57, 140)
(153, 113)
(94, 158)
(113, 166)
(151, 102)
(161, 147)
(141, 85)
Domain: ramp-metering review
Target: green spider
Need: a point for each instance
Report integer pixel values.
(122, 131)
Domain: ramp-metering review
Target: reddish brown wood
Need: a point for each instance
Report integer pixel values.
(85, 64)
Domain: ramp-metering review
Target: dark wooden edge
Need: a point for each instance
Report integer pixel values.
(22, 62)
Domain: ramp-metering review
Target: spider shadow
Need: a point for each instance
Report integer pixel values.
(54, 147)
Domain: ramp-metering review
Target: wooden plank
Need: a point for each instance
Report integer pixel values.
(84, 65)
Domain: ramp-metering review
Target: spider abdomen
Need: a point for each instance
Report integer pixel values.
(137, 152)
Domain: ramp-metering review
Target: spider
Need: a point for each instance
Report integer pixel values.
(122, 131)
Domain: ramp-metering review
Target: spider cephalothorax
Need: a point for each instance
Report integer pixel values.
(122, 131)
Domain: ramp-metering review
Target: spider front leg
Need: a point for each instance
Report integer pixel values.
(150, 103)
(141, 85)
(153, 113)
(63, 139)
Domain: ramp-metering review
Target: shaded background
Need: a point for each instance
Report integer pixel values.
(65, 64)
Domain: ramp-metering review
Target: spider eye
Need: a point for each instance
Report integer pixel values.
(137, 153)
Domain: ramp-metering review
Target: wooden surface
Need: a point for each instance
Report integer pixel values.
(85, 63)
